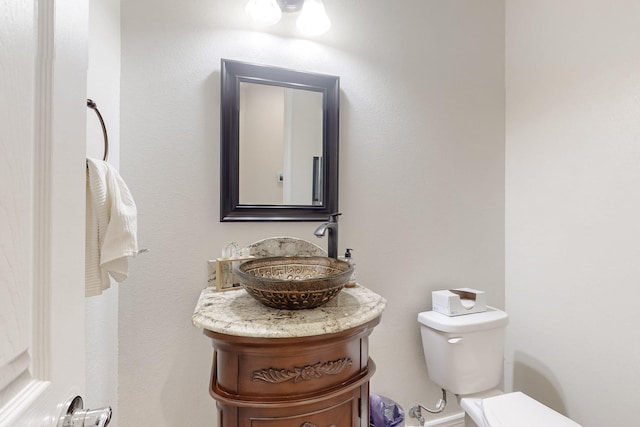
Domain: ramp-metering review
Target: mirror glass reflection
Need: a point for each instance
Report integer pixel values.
(280, 145)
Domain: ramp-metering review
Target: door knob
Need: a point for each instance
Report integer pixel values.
(73, 415)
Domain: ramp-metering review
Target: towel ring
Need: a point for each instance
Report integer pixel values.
(94, 107)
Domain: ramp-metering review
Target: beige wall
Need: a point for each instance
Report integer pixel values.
(261, 153)
(101, 312)
(421, 176)
(573, 206)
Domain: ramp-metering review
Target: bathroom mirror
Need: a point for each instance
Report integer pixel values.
(279, 143)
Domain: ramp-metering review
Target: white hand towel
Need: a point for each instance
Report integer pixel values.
(111, 235)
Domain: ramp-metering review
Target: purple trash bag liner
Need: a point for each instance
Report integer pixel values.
(384, 412)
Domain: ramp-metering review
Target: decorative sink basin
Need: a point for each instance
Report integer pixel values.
(294, 283)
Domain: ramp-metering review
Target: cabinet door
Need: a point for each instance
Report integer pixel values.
(343, 414)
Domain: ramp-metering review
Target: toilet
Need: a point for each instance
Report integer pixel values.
(464, 356)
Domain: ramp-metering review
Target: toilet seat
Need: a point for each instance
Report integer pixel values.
(472, 405)
(519, 410)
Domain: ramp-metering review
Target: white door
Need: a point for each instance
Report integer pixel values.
(43, 60)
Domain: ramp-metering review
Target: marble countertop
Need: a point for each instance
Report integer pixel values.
(236, 313)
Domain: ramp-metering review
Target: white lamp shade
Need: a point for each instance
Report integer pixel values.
(313, 19)
(263, 12)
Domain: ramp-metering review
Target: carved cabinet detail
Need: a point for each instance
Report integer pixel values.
(308, 372)
(310, 381)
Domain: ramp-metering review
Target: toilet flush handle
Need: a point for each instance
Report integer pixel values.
(454, 340)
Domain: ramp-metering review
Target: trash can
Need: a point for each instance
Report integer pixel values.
(384, 412)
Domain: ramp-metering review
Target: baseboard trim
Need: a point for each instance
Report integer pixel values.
(456, 420)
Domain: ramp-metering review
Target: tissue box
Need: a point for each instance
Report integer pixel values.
(456, 302)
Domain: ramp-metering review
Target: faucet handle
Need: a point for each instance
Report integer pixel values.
(334, 216)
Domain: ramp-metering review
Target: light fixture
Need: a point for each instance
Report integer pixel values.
(290, 6)
(313, 19)
(263, 12)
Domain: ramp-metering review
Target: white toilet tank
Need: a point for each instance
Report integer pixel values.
(464, 354)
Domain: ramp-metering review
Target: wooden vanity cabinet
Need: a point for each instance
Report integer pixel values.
(309, 381)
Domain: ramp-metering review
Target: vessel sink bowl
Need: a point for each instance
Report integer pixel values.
(294, 283)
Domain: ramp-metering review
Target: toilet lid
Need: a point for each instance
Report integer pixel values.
(519, 410)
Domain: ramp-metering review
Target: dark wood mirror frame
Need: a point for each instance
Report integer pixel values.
(234, 72)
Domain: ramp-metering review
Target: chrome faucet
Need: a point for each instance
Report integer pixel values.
(332, 226)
